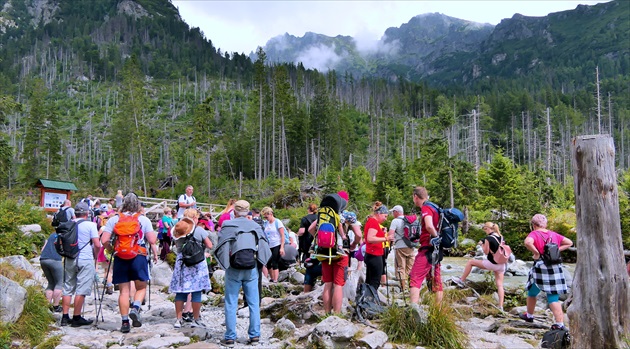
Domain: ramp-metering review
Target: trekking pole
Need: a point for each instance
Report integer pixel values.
(95, 298)
(150, 268)
(100, 306)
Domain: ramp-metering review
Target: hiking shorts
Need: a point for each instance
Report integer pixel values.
(79, 277)
(494, 267)
(312, 273)
(422, 269)
(335, 272)
(126, 270)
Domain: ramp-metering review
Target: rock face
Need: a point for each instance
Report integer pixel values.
(30, 228)
(13, 297)
(333, 332)
(132, 9)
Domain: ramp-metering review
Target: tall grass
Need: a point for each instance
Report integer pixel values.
(440, 331)
(32, 326)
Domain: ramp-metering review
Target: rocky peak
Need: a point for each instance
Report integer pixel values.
(132, 8)
(42, 11)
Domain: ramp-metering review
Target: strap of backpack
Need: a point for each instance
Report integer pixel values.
(90, 240)
(498, 241)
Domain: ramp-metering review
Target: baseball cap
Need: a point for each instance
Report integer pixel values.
(82, 207)
(241, 206)
(398, 209)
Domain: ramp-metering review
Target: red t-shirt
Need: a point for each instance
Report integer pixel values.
(376, 248)
(425, 236)
(541, 237)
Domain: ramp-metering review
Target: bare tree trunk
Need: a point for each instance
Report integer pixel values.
(548, 142)
(599, 103)
(600, 311)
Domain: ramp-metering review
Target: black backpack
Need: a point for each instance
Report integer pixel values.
(67, 240)
(193, 251)
(368, 304)
(60, 217)
(245, 259)
(551, 252)
(556, 339)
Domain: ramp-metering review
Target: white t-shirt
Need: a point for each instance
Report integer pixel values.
(185, 199)
(86, 232)
(399, 227)
(273, 234)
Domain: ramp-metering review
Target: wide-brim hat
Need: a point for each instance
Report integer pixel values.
(184, 227)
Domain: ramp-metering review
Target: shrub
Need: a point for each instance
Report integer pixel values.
(14, 242)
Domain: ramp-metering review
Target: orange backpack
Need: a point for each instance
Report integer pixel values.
(127, 236)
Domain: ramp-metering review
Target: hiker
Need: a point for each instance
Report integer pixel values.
(227, 213)
(375, 239)
(274, 230)
(79, 272)
(242, 250)
(352, 227)
(164, 235)
(50, 261)
(542, 277)
(119, 200)
(256, 217)
(135, 269)
(313, 270)
(103, 260)
(490, 245)
(422, 266)
(305, 240)
(185, 201)
(334, 269)
(64, 214)
(189, 280)
(404, 251)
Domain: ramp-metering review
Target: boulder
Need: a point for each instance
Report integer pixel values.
(160, 342)
(518, 268)
(13, 299)
(298, 278)
(30, 229)
(218, 279)
(19, 262)
(285, 325)
(374, 340)
(467, 243)
(333, 332)
(161, 274)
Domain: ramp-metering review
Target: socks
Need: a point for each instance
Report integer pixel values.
(529, 316)
(136, 304)
(125, 318)
(76, 317)
(560, 324)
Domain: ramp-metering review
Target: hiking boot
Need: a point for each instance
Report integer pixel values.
(197, 323)
(458, 282)
(188, 317)
(109, 289)
(134, 316)
(81, 321)
(178, 323)
(524, 316)
(227, 342)
(57, 308)
(125, 328)
(65, 321)
(556, 327)
(253, 340)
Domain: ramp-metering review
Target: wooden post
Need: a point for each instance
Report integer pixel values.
(600, 312)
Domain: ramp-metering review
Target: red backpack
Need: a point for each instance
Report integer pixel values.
(127, 237)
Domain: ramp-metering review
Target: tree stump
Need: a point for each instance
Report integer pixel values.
(600, 312)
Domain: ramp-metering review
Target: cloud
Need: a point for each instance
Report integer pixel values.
(320, 57)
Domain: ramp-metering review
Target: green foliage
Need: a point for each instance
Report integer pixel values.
(440, 331)
(50, 342)
(32, 325)
(14, 242)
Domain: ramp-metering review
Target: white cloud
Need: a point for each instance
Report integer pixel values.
(320, 57)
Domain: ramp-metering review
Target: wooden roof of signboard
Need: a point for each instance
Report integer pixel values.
(59, 185)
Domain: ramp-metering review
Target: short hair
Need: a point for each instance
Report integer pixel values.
(266, 210)
(189, 186)
(312, 208)
(421, 192)
(539, 220)
(241, 213)
(255, 210)
(167, 210)
(191, 213)
(131, 203)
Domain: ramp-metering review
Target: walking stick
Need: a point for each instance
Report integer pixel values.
(100, 306)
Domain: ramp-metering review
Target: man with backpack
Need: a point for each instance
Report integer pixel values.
(242, 250)
(403, 246)
(65, 214)
(130, 229)
(185, 201)
(429, 240)
(304, 238)
(79, 271)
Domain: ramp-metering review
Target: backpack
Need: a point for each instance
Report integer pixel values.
(177, 203)
(556, 339)
(127, 233)
(193, 252)
(327, 227)
(551, 252)
(60, 217)
(245, 259)
(447, 224)
(502, 255)
(412, 229)
(67, 240)
(160, 226)
(367, 303)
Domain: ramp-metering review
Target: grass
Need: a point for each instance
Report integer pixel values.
(440, 332)
(274, 291)
(50, 343)
(15, 274)
(32, 326)
(280, 333)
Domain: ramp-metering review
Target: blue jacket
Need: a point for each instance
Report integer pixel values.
(228, 244)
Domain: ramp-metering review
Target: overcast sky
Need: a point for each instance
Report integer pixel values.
(242, 26)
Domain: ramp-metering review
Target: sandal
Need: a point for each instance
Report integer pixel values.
(253, 340)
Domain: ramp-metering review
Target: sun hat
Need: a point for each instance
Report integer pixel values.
(184, 227)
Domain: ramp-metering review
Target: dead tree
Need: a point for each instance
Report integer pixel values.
(600, 312)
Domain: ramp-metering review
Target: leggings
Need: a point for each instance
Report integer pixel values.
(373, 270)
(534, 291)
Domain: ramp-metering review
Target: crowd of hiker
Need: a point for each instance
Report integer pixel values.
(249, 243)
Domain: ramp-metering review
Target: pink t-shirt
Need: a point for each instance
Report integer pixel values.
(541, 237)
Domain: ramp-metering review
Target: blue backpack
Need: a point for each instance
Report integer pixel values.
(448, 224)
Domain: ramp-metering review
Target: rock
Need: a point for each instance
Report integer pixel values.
(298, 278)
(136, 337)
(420, 313)
(19, 262)
(333, 332)
(467, 243)
(159, 342)
(218, 279)
(518, 268)
(30, 228)
(355, 277)
(520, 310)
(285, 325)
(375, 339)
(200, 345)
(161, 274)
(13, 297)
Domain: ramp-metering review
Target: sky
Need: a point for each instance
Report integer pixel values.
(242, 26)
